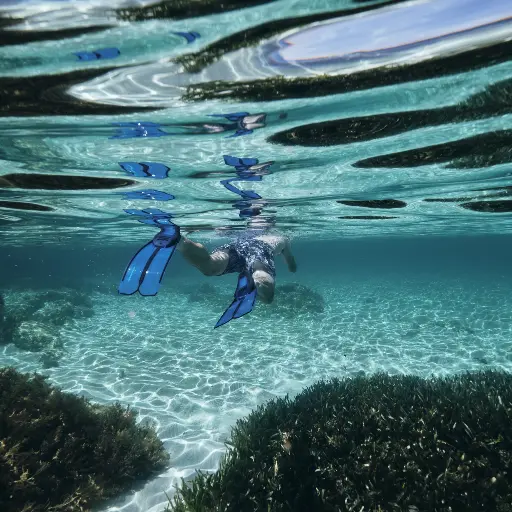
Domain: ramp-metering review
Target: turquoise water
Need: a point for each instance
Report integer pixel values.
(397, 210)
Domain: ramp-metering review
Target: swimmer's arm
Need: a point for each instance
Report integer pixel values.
(288, 256)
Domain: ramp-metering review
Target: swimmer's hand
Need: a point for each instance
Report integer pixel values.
(289, 258)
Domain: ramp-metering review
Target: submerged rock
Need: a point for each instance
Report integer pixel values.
(32, 321)
(56, 313)
(50, 360)
(35, 336)
(206, 294)
(293, 298)
(203, 292)
(7, 328)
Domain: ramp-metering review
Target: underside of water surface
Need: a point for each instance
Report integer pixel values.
(375, 136)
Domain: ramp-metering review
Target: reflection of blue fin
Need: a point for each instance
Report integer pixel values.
(248, 209)
(146, 269)
(245, 122)
(240, 163)
(103, 53)
(155, 195)
(233, 117)
(130, 130)
(250, 194)
(152, 217)
(245, 194)
(245, 297)
(189, 36)
(146, 169)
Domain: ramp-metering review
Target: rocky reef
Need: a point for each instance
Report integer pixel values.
(293, 299)
(206, 294)
(60, 452)
(290, 300)
(32, 320)
(369, 443)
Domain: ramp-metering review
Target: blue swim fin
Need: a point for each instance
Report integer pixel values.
(133, 275)
(245, 297)
(146, 269)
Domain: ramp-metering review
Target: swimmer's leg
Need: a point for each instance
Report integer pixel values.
(198, 256)
(265, 285)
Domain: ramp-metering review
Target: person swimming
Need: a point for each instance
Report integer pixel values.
(254, 257)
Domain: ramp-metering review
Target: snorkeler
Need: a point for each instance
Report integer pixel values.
(251, 258)
(254, 256)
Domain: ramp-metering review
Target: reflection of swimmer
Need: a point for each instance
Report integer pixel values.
(241, 123)
(251, 258)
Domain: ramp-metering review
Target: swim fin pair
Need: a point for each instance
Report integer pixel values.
(146, 269)
(243, 303)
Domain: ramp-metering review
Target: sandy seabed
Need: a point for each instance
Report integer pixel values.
(162, 357)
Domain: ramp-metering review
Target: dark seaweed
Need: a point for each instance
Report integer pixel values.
(382, 443)
(60, 452)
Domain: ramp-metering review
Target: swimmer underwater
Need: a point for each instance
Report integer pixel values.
(253, 258)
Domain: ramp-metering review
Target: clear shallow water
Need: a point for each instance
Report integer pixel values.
(425, 291)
